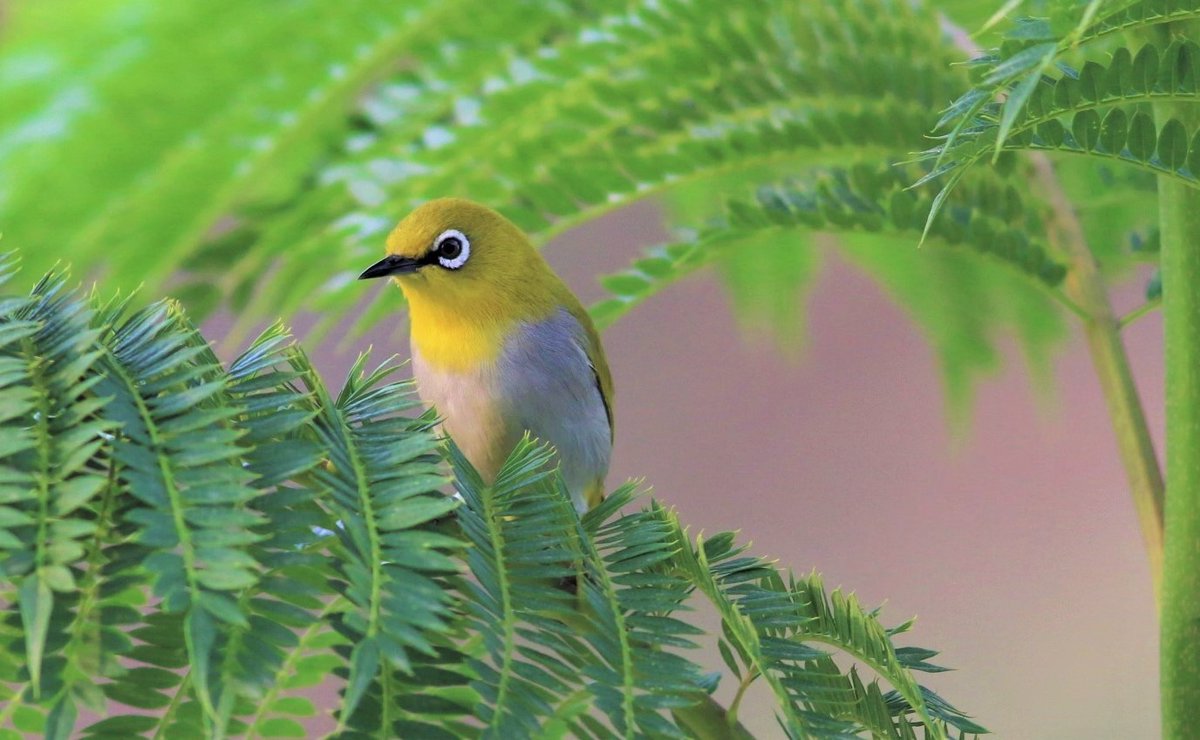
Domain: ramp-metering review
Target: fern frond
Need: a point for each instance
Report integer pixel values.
(744, 634)
(285, 636)
(179, 457)
(519, 529)
(1125, 134)
(710, 90)
(276, 410)
(57, 465)
(773, 621)
(1126, 79)
(630, 598)
(382, 482)
(306, 663)
(1100, 110)
(988, 217)
(1136, 15)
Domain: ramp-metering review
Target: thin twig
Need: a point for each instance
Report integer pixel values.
(1139, 312)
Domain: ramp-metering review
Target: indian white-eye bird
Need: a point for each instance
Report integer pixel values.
(500, 345)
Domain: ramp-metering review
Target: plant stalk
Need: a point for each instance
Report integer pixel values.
(708, 720)
(1086, 287)
(1179, 224)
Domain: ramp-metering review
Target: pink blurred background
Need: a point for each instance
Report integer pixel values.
(1016, 546)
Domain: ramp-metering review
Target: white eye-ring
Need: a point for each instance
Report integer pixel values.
(452, 249)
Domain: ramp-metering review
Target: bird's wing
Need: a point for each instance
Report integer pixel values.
(603, 397)
(595, 354)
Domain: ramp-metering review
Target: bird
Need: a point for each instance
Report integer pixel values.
(500, 345)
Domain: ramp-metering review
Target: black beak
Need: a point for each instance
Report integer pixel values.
(391, 265)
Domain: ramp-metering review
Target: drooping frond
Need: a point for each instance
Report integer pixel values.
(987, 217)
(786, 631)
(981, 271)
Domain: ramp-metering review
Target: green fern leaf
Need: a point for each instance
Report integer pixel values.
(742, 110)
(193, 160)
(630, 598)
(56, 466)
(519, 531)
(982, 273)
(771, 621)
(382, 481)
(1062, 114)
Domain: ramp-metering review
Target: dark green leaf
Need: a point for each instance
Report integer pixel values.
(1173, 144)
(1142, 137)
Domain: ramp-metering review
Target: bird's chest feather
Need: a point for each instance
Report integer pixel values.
(540, 380)
(471, 404)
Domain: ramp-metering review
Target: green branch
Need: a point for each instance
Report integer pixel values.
(1179, 224)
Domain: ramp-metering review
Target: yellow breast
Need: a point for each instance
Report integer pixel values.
(453, 340)
(455, 347)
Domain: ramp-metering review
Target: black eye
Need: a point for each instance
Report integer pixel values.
(452, 249)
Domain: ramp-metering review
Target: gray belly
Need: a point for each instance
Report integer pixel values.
(542, 382)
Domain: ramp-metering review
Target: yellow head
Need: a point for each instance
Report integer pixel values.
(469, 275)
(466, 257)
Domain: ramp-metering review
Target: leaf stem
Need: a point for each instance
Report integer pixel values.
(176, 701)
(176, 503)
(276, 686)
(1060, 295)
(751, 674)
(35, 633)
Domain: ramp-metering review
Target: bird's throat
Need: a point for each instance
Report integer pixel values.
(455, 341)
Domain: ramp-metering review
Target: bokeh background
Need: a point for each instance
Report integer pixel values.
(1010, 535)
(1014, 541)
